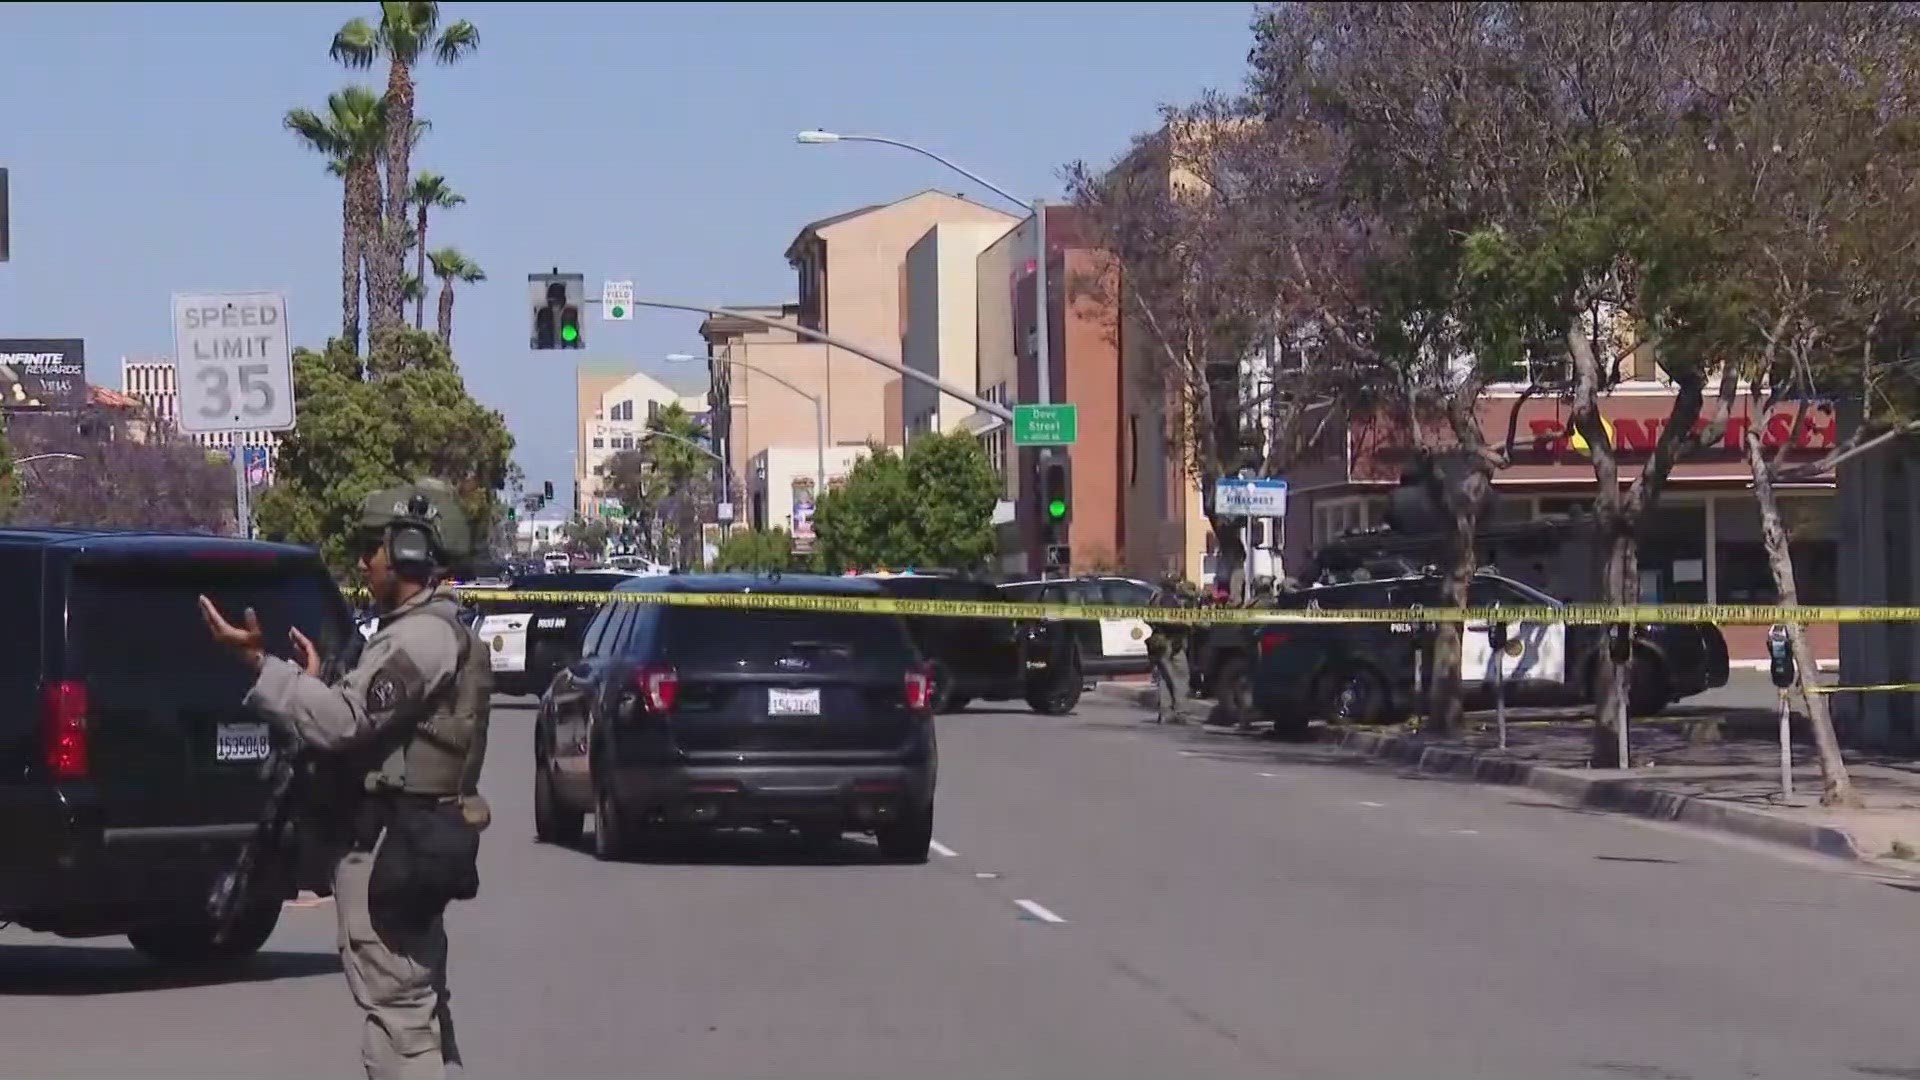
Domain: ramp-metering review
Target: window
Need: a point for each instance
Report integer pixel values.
(1743, 573)
(719, 635)
(599, 443)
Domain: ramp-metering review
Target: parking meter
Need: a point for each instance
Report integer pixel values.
(1780, 657)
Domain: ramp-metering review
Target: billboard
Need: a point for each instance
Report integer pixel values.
(43, 373)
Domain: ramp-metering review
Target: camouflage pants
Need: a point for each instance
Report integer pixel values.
(398, 975)
(1170, 684)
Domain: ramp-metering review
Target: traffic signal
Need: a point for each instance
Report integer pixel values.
(556, 300)
(546, 491)
(1056, 491)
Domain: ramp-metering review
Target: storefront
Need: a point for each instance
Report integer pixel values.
(1701, 544)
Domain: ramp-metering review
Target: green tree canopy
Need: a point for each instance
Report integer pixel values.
(756, 550)
(402, 413)
(932, 506)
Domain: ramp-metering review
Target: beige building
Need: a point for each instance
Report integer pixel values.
(612, 400)
(781, 483)
(851, 285)
(941, 324)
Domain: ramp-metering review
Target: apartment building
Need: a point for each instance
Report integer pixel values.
(1084, 343)
(153, 382)
(940, 321)
(623, 400)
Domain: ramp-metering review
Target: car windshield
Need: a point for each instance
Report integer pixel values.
(1528, 592)
(712, 634)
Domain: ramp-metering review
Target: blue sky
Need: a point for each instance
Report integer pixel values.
(650, 141)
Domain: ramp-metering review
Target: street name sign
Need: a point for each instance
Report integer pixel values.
(616, 301)
(1233, 497)
(1046, 425)
(234, 362)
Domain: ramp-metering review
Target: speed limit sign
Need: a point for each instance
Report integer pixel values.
(233, 360)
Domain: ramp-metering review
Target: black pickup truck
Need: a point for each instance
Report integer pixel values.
(989, 659)
(1365, 672)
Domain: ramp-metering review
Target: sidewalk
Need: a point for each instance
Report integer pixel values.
(1732, 785)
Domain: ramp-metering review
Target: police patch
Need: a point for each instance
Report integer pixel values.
(383, 693)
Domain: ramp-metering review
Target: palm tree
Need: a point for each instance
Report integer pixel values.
(413, 288)
(451, 266)
(430, 191)
(406, 31)
(351, 134)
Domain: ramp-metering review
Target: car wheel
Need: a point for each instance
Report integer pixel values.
(907, 841)
(1062, 693)
(1233, 690)
(1352, 696)
(553, 823)
(611, 840)
(1647, 693)
(190, 940)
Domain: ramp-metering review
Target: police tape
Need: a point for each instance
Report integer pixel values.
(841, 603)
(1870, 688)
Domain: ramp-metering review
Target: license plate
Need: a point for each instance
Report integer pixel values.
(793, 702)
(242, 742)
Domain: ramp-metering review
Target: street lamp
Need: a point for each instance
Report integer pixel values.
(1042, 352)
(819, 413)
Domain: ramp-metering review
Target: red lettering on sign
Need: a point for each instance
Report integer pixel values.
(1549, 433)
(1635, 435)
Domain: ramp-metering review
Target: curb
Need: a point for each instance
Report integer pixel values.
(1605, 793)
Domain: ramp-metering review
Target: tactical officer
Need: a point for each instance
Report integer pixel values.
(410, 720)
(1166, 649)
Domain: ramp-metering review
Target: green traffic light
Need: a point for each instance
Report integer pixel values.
(1057, 508)
(569, 333)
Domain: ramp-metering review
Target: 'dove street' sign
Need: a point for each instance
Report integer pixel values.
(1046, 425)
(234, 360)
(1249, 498)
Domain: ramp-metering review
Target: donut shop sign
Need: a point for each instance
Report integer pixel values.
(1818, 428)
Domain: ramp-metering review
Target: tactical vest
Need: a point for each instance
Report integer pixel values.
(443, 750)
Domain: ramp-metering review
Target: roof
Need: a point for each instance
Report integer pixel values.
(813, 584)
(136, 540)
(812, 228)
(110, 399)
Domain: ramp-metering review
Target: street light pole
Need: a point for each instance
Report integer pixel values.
(819, 413)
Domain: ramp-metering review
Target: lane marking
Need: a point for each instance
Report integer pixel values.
(1271, 776)
(1373, 804)
(985, 875)
(942, 850)
(1466, 832)
(1038, 912)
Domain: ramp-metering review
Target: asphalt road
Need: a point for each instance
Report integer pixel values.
(1120, 901)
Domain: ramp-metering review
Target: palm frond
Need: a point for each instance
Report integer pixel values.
(355, 45)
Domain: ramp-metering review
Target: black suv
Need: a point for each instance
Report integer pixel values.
(677, 718)
(991, 659)
(129, 771)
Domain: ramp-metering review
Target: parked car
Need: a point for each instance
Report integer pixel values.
(132, 773)
(675, 719)
(1103, 647)
(1366, 671)
(990, 659)
(529, 640)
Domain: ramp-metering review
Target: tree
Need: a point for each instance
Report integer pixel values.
(402, 413)
(755, 550)
(1814, 165)
(164, 483)
(430, 191)
(931, 507)
(351, 135)
(585, 537)
(451, 266)
(1185, 224)
(666, 485)
(405, 32)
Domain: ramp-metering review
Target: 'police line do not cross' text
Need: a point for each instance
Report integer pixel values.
(234, 360)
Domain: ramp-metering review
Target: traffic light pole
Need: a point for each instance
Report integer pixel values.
(1042, 357)
(895, 366)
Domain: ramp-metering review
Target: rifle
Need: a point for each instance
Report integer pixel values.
(267, 847)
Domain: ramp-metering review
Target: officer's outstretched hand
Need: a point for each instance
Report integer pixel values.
(304, 653)
(246, 641)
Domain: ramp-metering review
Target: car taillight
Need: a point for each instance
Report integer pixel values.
(919, 689)
(659, 686)
(1271, 640)
(63, 729)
